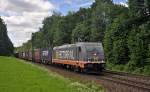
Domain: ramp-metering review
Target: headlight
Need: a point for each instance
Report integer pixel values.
(103, 61)
(88, 60)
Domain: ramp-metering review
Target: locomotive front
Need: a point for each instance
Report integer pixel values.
(93, 56)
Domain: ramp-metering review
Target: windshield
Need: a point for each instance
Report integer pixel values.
(94, 53)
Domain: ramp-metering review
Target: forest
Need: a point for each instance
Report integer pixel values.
(124, 32)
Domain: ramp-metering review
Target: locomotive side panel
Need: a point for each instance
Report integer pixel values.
(81, 56)
(66, 56)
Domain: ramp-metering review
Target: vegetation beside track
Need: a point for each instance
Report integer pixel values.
(19, 76)
(123, 68)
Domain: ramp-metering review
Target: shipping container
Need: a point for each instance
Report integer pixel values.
(23, 55)
(20, 54)
(30, 55)
(46, 56)
(37, 55)
(26, 55)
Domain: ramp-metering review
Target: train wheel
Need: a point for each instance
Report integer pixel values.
(75, 69)
(81, 70)
(67, 66)
(85, 71)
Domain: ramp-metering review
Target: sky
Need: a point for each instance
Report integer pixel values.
(23, 17)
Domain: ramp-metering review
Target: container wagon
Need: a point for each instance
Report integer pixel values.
(37, 55)
(26, 55)
(30, 55)
(46, 56)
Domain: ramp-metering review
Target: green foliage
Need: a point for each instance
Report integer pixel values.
(115, 67)
(138, 43)
(6, 46)
(82, 32)
(116, 49)
(139, 7)
(146, 70)
(100, 20)
(127, 41)
(137, 47)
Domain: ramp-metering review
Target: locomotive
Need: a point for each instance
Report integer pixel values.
(82, 56)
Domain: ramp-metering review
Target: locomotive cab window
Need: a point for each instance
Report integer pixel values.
(94, 53)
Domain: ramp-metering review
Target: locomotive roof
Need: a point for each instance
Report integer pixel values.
(78, 44)
(88, 43)
(65, 46)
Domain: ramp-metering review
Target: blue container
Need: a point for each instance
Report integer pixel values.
(46, 56)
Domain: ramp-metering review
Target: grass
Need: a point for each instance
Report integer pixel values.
(19, 76)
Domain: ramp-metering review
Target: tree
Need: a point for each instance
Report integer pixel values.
(115, 44)
(82, 32)
(6, 46)
(50, 26)
(139, 8)
(100, 19)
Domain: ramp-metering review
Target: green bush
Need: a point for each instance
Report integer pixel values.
(146, 70)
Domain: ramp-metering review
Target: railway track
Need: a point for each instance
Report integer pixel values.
(131, 80)
(112, 81)
(128, 74)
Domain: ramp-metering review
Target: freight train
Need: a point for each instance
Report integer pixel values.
(82, 56)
